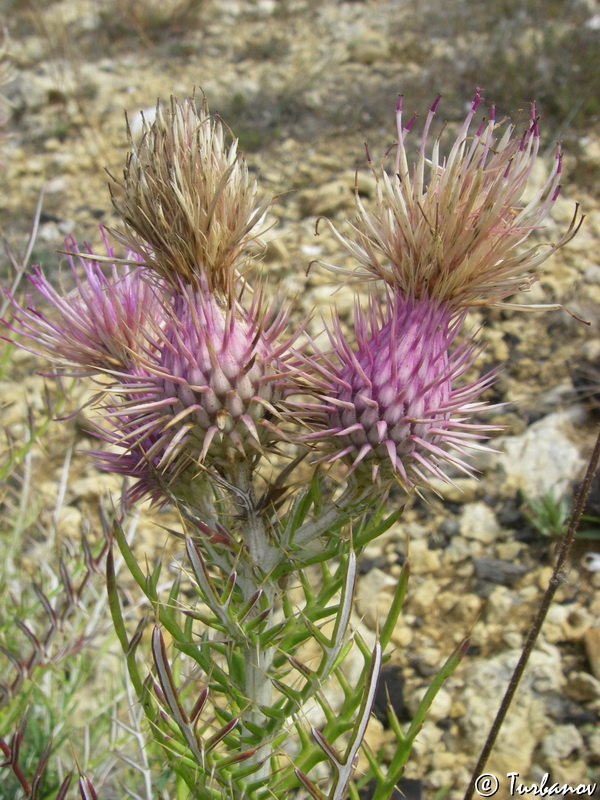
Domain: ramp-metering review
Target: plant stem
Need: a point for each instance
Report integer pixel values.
(253, 574)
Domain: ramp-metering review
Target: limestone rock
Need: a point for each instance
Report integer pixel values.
(544, 458)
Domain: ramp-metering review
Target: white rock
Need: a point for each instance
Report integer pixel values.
(458, 550)
(368, 48)
(374, 596)
(594, 743)
(461, 490)
(543, 459)
(428, 738)
(327, 200)
(440, 708)
(500, 604)
(561, 742)
(582, 687)
(421, 598)
(509, 551)
(479, 522)
(513, 639)
(485, 684)
(422, 559)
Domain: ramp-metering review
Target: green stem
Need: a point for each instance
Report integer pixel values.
(253, 574)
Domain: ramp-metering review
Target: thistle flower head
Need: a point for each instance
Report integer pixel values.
(204, 395)
(191, 381)
(98, 325)
(391, 403)
(187, 199)
(453, 228)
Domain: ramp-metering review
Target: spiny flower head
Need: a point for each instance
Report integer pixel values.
(453, 228)
(99, 324)
(204, 395)
(187, 199)
(191, 381)
(391, 404)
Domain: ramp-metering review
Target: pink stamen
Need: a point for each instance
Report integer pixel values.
(435, 104)
(476, 101)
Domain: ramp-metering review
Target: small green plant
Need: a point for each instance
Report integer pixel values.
(589, 532)
(549, 514)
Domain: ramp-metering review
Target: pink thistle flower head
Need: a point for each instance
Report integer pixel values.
(204, 394)
(188, 201)
(98, 327)
(453, 228)
(192, 382)
(391, 403)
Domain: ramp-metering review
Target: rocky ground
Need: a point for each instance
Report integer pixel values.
(304, 84)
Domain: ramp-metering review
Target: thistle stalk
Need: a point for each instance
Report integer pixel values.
(262, 558)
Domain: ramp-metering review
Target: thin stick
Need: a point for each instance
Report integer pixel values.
(557, 578)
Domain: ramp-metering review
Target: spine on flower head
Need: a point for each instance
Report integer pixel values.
(202, 395)
(455, 228)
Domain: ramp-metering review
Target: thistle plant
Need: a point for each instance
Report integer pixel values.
(279, 455)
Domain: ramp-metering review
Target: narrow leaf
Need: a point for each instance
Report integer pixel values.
(137, 636)
(86, 788)
(326, 747)
(394, 612)
(309, 785)
(436, 684)
(287, 691)
(235, 759)
(257, 621)
(228, 591)
(152, 581)
(165, 677)
(199, 704)
(64, 787)
(45, 603)
(66, 579)
(220, 735)
(249, 605)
